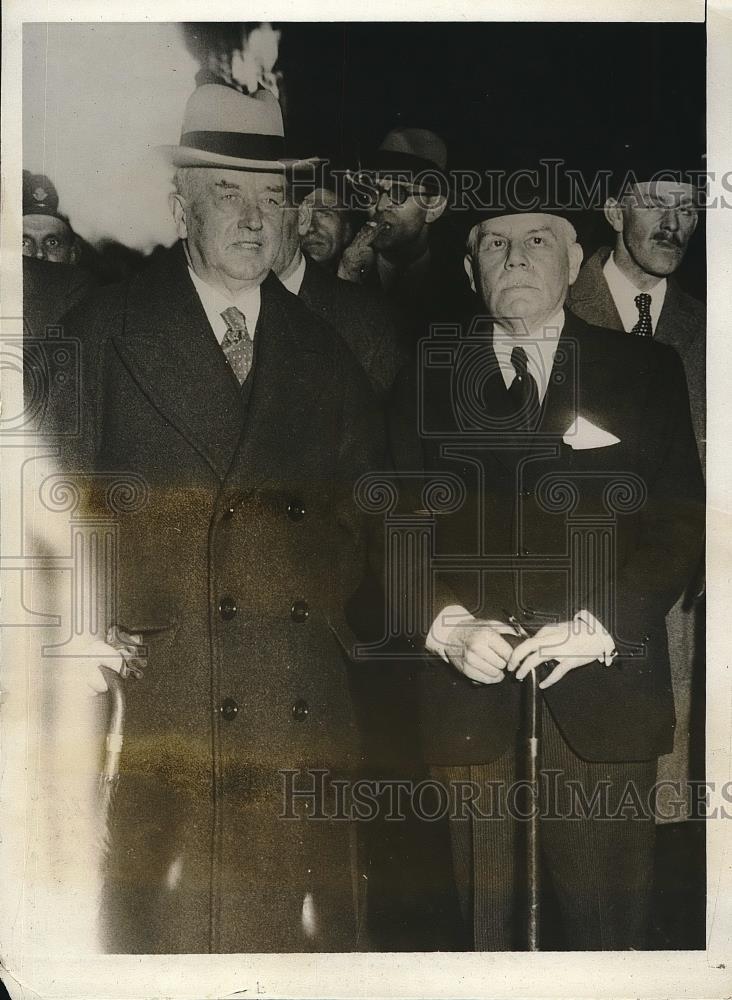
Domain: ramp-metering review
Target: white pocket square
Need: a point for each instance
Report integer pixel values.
(584, 434)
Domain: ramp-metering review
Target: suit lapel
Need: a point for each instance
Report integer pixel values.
(311, 290)
(170, 349)
(671, 326)
(590, 295)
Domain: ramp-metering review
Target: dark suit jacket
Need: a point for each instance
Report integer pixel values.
(236, 558)
(682, 325)
(546, 530)
(362, 318)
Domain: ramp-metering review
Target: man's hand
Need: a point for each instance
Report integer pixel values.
(478, 650)
(119, 653)
(359, 256)
(572, 644)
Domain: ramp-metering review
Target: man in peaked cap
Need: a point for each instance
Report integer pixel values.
(47, 235)
(248, 421)
(581, 521)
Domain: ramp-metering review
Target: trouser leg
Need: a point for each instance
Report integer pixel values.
(601, 867)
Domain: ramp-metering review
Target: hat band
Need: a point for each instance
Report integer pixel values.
(242, 145)
(390, 164)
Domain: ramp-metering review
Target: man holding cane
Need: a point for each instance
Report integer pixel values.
(582, 522)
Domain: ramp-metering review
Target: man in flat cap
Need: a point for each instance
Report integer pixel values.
(581, 524)
(247, 421)
(631, 286)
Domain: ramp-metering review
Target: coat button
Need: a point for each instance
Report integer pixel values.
(227, 608)
(229, 709)
(234, 501)
(300, 611)
(295, 510)
(300, 709)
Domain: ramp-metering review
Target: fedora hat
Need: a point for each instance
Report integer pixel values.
(412, 152)
(224, 128)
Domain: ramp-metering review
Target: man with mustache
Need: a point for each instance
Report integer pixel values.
(631, 287)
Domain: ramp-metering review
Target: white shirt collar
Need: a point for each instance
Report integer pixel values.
(293, 282)
(540, 346)
(624, 292)
(214, 302)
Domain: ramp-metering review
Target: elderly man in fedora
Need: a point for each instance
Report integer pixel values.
(248, 421)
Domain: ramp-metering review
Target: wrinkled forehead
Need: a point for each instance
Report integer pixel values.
(517, 226)
(244, 180)
(661, 194)
(45, 225)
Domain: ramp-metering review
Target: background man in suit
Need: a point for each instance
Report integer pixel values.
(244, 421)
(364, 319)
(653, 222)
(571, 440)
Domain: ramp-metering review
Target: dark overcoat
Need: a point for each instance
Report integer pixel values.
(547, 529)
(364, 318)
(236, 569)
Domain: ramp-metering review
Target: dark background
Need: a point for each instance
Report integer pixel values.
(566, 90)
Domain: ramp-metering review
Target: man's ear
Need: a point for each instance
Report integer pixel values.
(436, 206)
(575, 254)
(304, 217)
(614, 214)
(178, 210)
(75, 255)
(468, 265)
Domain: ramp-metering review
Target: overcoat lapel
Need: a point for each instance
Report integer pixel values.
(292, 381)
(170, 349)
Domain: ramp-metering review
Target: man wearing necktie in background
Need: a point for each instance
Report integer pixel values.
(248, 422)
(582, 520)
(632, 287)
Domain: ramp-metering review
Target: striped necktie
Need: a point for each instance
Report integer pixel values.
(237, 343)
(644, 326)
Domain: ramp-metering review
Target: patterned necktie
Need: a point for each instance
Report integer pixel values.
(237, 343)
(644, 326)
(523, 392)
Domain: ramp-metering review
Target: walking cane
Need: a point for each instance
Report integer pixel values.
(531, 711)
(109, 775)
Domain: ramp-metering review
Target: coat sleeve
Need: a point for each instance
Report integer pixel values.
(669, 540)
